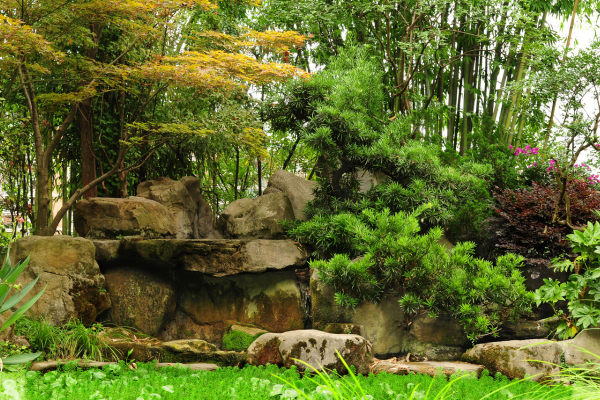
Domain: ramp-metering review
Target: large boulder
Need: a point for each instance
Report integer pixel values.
(271, 301)
(516, 358)
(316, 348)
(215, 257)
(382, 323)
(258, 218)
(67, 268)
(435, 339)
(193, 215)
(299, 190)
(140, 299)
(100, 218)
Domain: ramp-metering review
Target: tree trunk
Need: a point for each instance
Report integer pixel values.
(88, 160)
(86, 128)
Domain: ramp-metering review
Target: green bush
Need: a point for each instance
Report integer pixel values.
(375, 252)
(344, 122)
(582, 291)
(238, 341)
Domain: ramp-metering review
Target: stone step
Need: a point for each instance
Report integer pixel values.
(44, 366)
(431, 368)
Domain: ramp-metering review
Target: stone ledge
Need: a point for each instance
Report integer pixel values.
(431, 368)
(215, 257)
(44, 366)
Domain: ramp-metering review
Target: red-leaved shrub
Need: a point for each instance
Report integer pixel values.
(527, 215)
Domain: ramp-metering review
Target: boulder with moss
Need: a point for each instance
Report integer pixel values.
(318, 349)
(193, 215)
(66, 266)
(299, 190)
(517, 358)
(382, 324)
(258, 218)
(109, 218)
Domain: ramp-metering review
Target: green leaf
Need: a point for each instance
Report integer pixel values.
(17, 314)
(18, 296)
(20, 358)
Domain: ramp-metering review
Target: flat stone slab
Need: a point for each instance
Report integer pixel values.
(215, 257)
(52, 365)
(431, 368)
(193, 367)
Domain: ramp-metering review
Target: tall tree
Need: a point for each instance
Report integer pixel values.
(47, 63)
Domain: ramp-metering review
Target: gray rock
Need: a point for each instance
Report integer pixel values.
(257, 218)
(382, 323)
(521, 330)
(316, 348)
(140, 299)
(584, 348)
(368, 180)
(435, 339)
(67, 268)
(299, 190)
(216, 257)
(431, 368)
(193, 215)
(517, 358)
(188, 345)
(108, 218)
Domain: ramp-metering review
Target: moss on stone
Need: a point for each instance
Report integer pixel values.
(238, 340)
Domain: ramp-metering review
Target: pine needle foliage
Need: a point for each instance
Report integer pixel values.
(372, 253)
(342, 116)
(367, 244)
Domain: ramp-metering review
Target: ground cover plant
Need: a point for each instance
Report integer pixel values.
(120, 382)
(69, 341)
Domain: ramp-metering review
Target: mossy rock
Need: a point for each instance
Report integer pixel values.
(238, 341)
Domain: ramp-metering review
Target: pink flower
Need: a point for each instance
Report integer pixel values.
(535, 164)
(510, 147)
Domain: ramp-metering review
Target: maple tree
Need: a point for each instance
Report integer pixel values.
(48, 61)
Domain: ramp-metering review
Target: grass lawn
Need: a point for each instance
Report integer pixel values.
(118, 382)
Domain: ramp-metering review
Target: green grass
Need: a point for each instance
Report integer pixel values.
(70, 341)
(255, 383)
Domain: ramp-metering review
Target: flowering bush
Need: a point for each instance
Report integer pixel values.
(527, 214)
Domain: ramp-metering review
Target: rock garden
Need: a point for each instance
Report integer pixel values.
(308, 199)
(150, 299)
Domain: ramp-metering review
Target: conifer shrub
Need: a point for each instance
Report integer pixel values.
(363, 256)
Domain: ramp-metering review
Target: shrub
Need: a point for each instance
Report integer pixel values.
(238, 341)
(527, 216)
(389, 253)
(582, 291)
